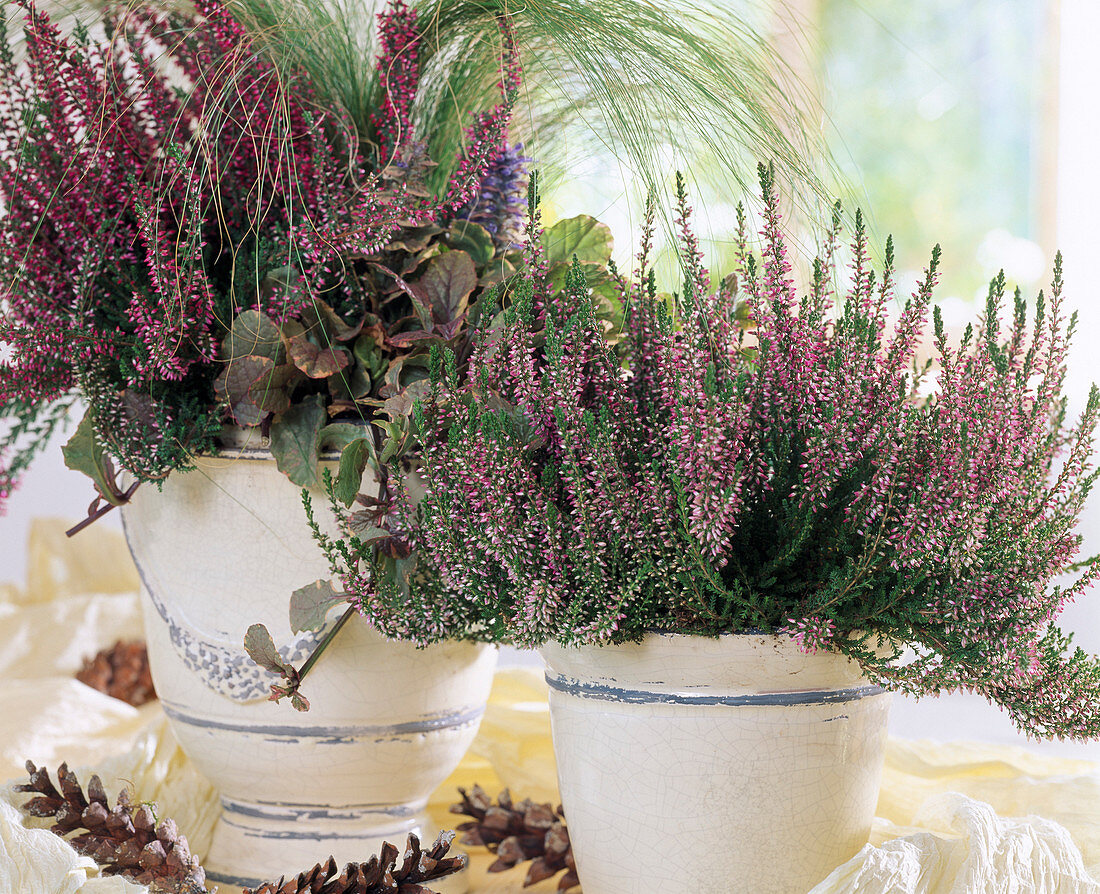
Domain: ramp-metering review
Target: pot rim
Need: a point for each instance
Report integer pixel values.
(680, 667)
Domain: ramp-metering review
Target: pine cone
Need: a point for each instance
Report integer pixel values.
(125, 841)
(517, 833)
(379, 875)
(121, 671)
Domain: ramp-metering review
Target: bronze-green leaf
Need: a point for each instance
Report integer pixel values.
(353, 462)
(254, 334)
(325, 324)
(337, 435)
(235, 382)
(369, 354)
(403, 371)
(414, 239)
(261, 648)
(270, 392)
(400, 572)
(582, 236)
(315, 362)
(402, 403)
(473, 239)
(309, 605)
(84, 453)
(296, 438)
(359, 383)
(448, 283)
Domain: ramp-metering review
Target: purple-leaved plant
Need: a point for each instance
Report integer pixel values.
(802, 474)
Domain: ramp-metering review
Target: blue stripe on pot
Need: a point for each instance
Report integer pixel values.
(235, 881)
(263, 454)
(398, 832)
(286, 811)
(224, 667)
(346, 733)
(607, 693)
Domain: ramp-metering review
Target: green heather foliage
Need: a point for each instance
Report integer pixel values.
(803, 473)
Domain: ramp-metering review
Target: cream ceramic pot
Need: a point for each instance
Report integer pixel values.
(223, 547)
(736, 765)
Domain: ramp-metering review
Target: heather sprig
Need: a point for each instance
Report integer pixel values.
(803, 473)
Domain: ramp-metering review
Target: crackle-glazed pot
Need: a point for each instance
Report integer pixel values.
(736, 765)
(223, 547)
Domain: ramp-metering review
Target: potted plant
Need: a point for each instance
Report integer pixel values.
(733, 532)
(179, 216)
(234, 236)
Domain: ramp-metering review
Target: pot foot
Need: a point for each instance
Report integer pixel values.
(256, 843)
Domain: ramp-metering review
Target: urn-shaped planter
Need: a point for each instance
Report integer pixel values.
(736, 765)
(223, 547)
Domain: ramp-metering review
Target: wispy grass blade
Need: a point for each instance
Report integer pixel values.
(660, 86)
(642, 78)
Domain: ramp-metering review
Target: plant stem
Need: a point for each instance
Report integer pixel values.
(383, 490)
(324, 643)
(101, 511)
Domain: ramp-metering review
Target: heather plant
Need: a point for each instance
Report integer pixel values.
(190, 238)
(805, 474)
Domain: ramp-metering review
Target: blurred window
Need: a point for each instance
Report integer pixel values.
(943, 116)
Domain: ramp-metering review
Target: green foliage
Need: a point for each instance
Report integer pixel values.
(309, 605)
(296, 441)
(84, 453)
